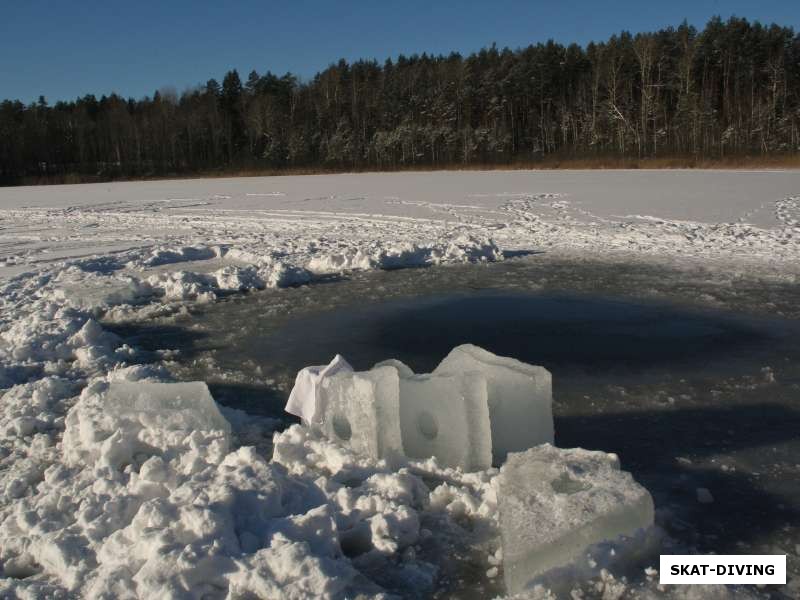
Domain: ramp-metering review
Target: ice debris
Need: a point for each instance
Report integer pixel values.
(472, 410)
(556, 503)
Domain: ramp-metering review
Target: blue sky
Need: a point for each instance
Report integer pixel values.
(65, 49)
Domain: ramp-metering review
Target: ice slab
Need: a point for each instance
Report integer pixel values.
(555, 503)
(360, 410)
(520, 398)
(304, 400)
(446, 416)
(402, 368)
(168, 406)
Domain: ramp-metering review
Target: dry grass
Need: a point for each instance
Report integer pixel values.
(548, 163)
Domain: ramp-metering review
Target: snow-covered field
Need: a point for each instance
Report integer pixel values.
(90, 506)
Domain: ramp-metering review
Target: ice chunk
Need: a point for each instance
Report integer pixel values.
(556, 503)
(520, 398)
(447, 417)
(361, 410)
(402, 369)
(169, 406)
(304, 400)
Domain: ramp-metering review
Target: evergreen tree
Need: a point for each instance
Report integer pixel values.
(732, 89)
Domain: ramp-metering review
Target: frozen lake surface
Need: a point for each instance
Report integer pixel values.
(664, 302)
(693, 380)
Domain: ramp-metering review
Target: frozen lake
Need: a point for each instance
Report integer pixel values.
(744, 215)
(691, 378)
(664, 302)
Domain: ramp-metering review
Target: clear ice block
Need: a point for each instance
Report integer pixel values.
(360, 410)
(520, 398)
(447, 417)
(556, 503)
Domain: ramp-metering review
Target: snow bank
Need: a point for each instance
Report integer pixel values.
(131, 495)
(464, 248)
(144, 499)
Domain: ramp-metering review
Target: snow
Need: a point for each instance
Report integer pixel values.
(555, 504)
(110, 490)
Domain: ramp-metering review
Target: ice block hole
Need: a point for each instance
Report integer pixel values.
(427, 425)
(567, 485)
(341, 427)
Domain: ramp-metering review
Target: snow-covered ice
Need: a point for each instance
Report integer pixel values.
(105, 503)
(113, 424)
(555, 504)
(520, 398)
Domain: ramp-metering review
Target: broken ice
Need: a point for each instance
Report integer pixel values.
(113, 422)
(472, 400)
(185, 406)
(556, 503)
(519, 395)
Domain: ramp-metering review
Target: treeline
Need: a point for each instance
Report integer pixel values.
(732, 89)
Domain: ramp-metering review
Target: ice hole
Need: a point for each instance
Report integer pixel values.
(567, 485)
(636, 377)
(427, 425)
(341, 427)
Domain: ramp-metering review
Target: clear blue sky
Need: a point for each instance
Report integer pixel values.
(63, 49)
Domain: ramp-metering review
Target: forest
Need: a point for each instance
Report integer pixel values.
(731, 89)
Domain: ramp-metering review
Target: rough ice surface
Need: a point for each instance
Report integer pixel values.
(555, 504)
(304, 399)
(520, 398)
(360, 411)
(447, 417)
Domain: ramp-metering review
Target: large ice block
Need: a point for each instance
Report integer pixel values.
(360, 410)
(556, 503)
(171, 406)
(402, 368)
(520, 398)
(447, 417)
